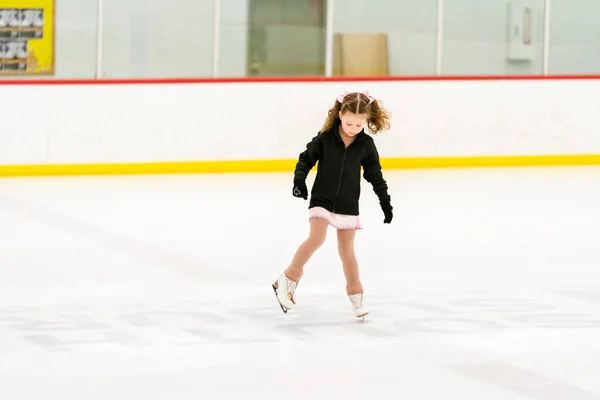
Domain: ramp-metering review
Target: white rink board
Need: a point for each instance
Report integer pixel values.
(54, 124)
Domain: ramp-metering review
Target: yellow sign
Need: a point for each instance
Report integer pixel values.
(27, 37)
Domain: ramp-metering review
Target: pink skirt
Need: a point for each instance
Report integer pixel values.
(338, 221)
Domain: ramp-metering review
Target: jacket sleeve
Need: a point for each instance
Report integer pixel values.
(372, 173)
(308, 158)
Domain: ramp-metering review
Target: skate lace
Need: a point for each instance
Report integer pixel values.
(357, 300)
(290, 289)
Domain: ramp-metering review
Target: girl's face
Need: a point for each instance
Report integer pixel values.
(352, 123)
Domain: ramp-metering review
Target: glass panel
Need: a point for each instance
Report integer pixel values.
(385, 37)
(493, 37)
(150, 39)
(575, 37)
(285, 38)
(74, 42)
(233, 38)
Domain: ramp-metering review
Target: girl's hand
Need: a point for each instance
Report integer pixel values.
(387, 208)
(300, 190)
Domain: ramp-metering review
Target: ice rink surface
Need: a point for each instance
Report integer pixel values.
(485, 286)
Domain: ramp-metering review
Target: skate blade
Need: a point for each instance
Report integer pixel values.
(362, 318)
(285, 310)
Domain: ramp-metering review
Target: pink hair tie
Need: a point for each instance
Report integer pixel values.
(341, 96)
(346, 93)
(371, 99)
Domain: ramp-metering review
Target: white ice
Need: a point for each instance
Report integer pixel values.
(485, 286)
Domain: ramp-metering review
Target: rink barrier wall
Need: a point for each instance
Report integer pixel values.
(150, 126)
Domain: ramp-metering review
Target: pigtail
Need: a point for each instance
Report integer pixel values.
(379, 118)
(332, 115)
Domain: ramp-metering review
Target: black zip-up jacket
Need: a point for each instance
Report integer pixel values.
(337, 184)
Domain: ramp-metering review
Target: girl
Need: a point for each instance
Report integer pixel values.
(341, 147)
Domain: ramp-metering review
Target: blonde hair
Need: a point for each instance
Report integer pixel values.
(359, 103)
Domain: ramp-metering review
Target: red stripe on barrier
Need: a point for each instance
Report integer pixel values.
(277, 79)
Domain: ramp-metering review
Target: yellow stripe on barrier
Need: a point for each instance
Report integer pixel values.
(491, 161)
(257, 166)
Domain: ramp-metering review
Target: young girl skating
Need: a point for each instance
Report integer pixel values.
(341, 147)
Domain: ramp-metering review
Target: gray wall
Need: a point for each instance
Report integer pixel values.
(575, 37)
(475, 38)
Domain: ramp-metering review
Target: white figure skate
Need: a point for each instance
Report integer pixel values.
(359, 306)
(284, 291)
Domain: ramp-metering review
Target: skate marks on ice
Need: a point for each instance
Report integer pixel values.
(477, 334)
(131, 247)
(79, 327)
(591, 295)
(491, 322)
(492, 329)
(525, 382)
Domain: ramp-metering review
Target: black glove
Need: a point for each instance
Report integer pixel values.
(387, 208)
(300, 189)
